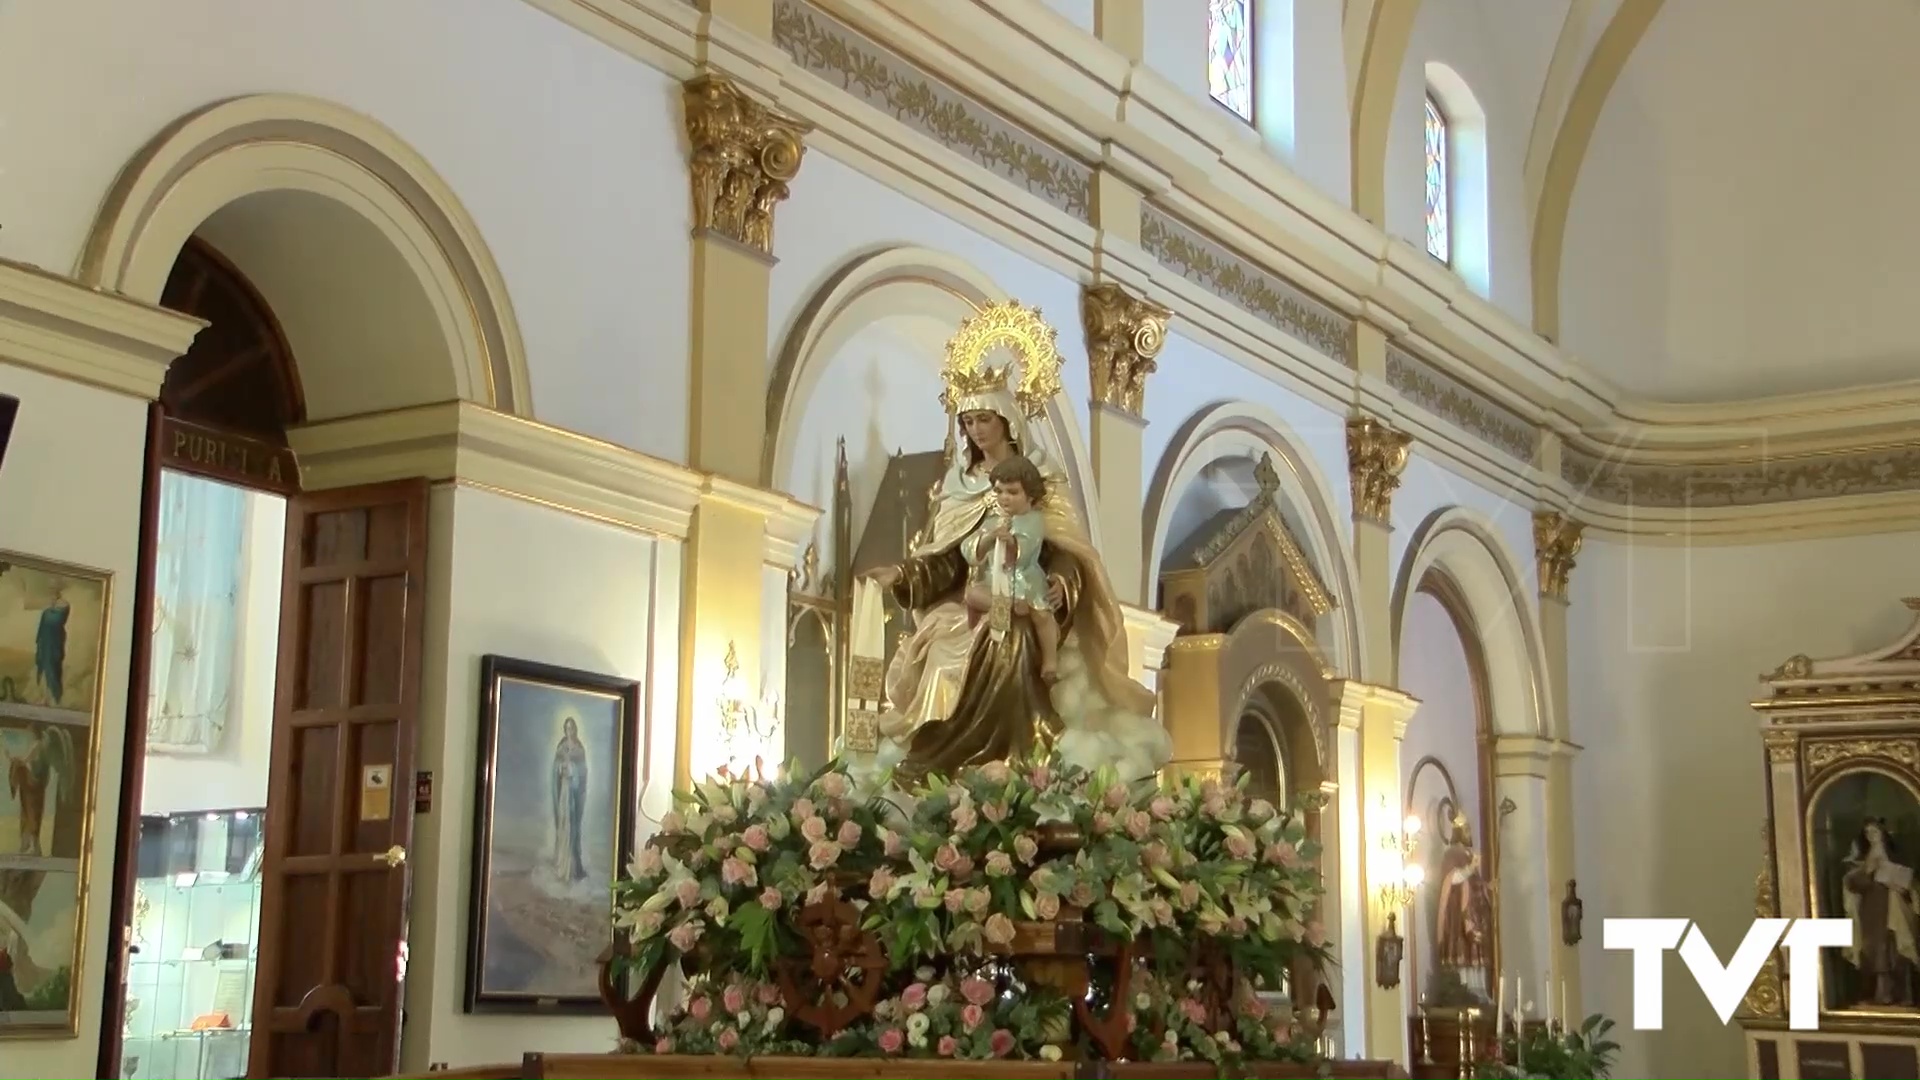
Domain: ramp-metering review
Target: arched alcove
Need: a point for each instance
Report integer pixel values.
(379, 278)
(1209, 462)
(862, 363)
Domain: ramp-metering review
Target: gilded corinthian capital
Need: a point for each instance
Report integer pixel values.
(742, 155)
(1124, 336)
(1556, 540)
(1375, 455)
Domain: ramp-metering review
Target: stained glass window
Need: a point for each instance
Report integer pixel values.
(1230, 55)
(1439, 158)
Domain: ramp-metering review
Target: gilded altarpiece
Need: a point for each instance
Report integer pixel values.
(1842, 741)
(1246, 686)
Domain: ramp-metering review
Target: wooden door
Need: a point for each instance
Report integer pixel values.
(333, 917)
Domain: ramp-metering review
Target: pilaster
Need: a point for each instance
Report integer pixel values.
(1376, 454)
(1383, 714)
(1124, 336)
(742, 154)
(1122, 26)
(1556, 539)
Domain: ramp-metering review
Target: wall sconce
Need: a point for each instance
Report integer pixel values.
(1401, 882)
(748, 731)
(1572, 911)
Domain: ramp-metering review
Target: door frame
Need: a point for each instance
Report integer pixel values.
(198, 450)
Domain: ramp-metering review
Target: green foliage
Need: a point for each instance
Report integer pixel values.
(1581, 1054)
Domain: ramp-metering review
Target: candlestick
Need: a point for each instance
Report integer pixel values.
(1566, 1018)
(1500, 1010)
(1520, 1003)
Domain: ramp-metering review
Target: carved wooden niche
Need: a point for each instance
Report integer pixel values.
(1239, 562)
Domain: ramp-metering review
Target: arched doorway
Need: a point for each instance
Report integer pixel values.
(269, 720)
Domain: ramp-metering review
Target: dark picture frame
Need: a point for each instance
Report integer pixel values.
(556, 779)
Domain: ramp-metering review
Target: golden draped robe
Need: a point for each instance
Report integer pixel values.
(987, 703)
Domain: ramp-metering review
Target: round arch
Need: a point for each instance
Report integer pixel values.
(892, 281)
(1463, 548)
(1233, 429)
(280, 172)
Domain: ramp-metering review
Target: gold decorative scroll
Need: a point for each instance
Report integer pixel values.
(1376, 454)
(1556, 540)
(1767, 993)
(743, 154)
(1823, 754)
(1021, 330)
(1124, 336)
(1782, 746)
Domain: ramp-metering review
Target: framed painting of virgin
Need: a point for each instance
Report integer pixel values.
(556, 777)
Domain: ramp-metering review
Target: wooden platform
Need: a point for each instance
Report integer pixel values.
(678, 1067)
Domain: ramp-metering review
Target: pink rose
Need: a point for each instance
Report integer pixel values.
(698, 1008)
(814, 829)
(999, 864)
(964, 818)
(1156, 854)
(673, 822)
(823, 854)
(891, 1040)
(1254, 1007)
(956, 900)
(1189, 894)
(849, 834)
(756, 838)
(734, 998)
(1040, 776)
(738, 872)
(1194, 1011)
(1161, 806)
(819, 893)
(947, 1046)
(801, 811)
(770, 899)
(685, 936)
(687, 892)
(914, 997)
(648, 862)
(880, 884)
(1239, 845)
(963, 868)
(1139, 824)
(891, 842)
(648, 923)
(1236, 925)
(1046, 907)
(972, 1016)
(999, 930)
(995, 772)
(1260, 810)
(977, 901)
(995, 811)
(1081, 896)
(728, 1040)
(833, 785)
(768, 994)
(1001, 1042)
(1116, 796)
(946, 858)
(976, 990)
(1161, 910)
(1025, 848)
(664, 1046)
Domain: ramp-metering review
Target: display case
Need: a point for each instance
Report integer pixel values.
(1842, 839)
(190, 976)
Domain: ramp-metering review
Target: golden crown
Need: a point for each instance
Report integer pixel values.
(1021, 331)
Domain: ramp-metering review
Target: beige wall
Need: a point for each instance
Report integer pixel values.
(71, 486)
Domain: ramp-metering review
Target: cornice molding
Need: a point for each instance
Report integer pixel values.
(1025, 105)
(473, 445)
(54, 324)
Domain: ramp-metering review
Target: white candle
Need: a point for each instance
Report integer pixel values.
(1500, 1010)
(1520, 1002)
(1566, 1018)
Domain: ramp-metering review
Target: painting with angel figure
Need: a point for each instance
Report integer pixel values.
(552, 831)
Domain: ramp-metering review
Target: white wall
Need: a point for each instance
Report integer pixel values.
(1434, 668)
(1667, 645)
(1427, 487)
(234, 775)
(548, 138)
(513, 578)
(1500, 49)
(73, 472)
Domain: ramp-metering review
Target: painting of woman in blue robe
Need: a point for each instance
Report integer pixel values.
(50, 647)
(569, 803)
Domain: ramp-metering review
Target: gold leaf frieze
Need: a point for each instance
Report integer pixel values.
(1376, 454)
(1279, 302)
(828, 48)
(1455, 401)
(1823, 754)
(1556, 540)
(1124, 337)
(1604, 476)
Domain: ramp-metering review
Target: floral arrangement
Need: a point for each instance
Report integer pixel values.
(1555, 1053)
(955, 881)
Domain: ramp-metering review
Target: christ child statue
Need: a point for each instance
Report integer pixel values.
(1005, 559)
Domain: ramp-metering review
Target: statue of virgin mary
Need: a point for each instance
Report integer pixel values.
(960, 695)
